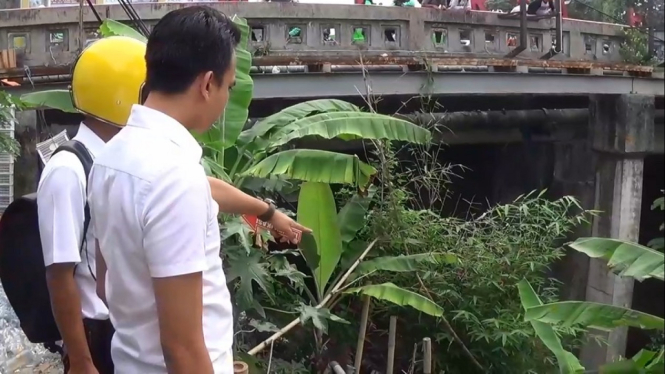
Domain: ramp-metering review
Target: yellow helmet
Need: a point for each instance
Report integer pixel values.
(108, 78)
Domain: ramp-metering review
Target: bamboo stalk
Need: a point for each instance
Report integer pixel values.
(427, 356)
(336, 368)
(392, 332)
(240, 367)
(296, 321)
(361, 334)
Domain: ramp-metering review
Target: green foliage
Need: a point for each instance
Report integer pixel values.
(502, 5)
(627, 259)
(635, 48)
(316, 210)
(658, 243)
(114, 28)
(53, 99)
(478, 294)
(8, 106)
(567, 361)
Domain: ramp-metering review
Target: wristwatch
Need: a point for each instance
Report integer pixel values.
(267, 216)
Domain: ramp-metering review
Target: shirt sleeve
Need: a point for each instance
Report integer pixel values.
(175, 217)
(60, 203)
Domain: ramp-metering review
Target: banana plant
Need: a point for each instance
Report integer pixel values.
(264, 151)
(333, 234)
(625, 259)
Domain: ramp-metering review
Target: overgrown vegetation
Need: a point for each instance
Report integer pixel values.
(379, 232)
(635, 49)
(8, 107)
(627, 260)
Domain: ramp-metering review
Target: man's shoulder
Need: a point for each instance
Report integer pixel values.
(145, 158)
(62, 167)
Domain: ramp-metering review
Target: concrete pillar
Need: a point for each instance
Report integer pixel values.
(574, 175)
(622, 132)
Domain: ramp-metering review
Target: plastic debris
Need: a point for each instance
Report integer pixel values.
(17, 354)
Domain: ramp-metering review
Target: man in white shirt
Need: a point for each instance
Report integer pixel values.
(76, 307)
(159, 261)
(68, 245)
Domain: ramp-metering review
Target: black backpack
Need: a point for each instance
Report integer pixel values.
(22, 270)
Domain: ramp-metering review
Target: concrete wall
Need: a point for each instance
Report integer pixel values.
(49, 37)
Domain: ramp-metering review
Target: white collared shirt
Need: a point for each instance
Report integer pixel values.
(154, 217)
(61, 195)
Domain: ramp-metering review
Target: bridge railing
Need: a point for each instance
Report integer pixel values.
(46, 40)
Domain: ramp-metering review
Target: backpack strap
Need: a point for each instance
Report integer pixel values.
(84, 156)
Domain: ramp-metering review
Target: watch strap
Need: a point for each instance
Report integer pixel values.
(267, 216)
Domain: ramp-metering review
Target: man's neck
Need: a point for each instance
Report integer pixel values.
(171, 105)
(103, 130)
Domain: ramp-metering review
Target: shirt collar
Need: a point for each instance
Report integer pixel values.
(90, 140)
(154, 120)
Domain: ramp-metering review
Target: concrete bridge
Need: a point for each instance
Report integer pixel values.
(610, 156)
(408, 51)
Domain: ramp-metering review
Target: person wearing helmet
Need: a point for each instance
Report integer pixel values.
(106, 81)
(154, 211)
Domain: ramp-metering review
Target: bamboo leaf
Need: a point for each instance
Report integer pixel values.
(594, 315)
(351, 217)
(52, 99)
(114, 28)
(404, 263)
(351, 125)
(625, 258)
(399, 296)
(295, 112)
(316, 210)
(567, 361)
(315, 166)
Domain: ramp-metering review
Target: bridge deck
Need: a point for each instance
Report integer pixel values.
(316, 85)
(417, 47)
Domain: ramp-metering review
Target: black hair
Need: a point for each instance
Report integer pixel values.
(188, 42)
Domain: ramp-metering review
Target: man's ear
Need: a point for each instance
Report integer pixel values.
(206, 84)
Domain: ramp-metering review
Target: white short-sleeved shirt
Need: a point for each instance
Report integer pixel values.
(61, 196)
(154, 217)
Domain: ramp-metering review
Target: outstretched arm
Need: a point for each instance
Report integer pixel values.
(234, 201)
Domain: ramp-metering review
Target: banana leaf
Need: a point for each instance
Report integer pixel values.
(351, 217)
(567, 361)
(316, 210)
(399, 296)
(293, 113)
(644, 362)
(351, 125)
(114, 28)
(237, 110)
(315, 166)
(52, 99)
(593, 315)
(625, 258)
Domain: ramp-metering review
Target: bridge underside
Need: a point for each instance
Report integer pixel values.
(327, 85)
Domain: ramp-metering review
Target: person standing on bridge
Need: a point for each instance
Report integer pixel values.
(152, 210)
